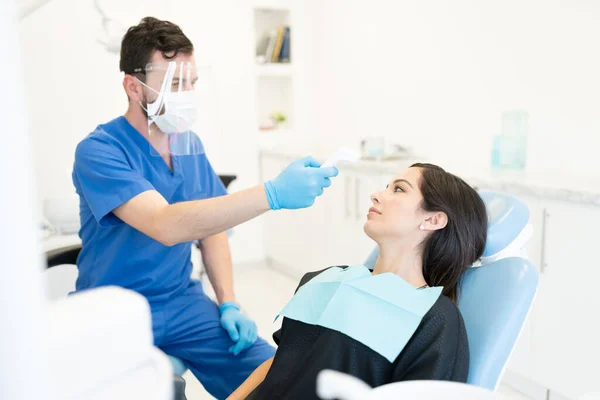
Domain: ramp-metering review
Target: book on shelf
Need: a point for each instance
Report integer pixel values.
(278, 43)
(284, 54)
(274, 46)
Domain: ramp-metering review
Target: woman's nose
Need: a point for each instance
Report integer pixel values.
(374, 198)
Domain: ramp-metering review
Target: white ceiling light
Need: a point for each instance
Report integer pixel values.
(113, 29)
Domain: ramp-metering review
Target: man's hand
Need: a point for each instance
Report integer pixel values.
(240, 328)
(299, 184)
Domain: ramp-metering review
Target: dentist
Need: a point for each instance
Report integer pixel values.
(147, 190)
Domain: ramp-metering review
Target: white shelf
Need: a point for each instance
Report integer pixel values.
(272, 5)
(274, 70)
(274, 82)
(277, 131)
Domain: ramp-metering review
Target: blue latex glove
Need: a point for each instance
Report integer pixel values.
(299, 184)
(240, 328)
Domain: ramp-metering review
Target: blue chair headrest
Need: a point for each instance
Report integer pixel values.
(507, 218)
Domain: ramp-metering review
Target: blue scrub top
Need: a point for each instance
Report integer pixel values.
(112, 165)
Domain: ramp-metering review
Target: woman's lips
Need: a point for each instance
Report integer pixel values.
(374, 210)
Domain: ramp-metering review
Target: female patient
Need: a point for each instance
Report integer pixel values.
(400, 321)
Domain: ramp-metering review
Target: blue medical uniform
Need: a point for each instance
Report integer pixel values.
(112, 165)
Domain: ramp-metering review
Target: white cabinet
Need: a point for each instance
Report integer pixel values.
(566, 322)
(351, 200)
(338, 208)
(293, 240)
(558, 349)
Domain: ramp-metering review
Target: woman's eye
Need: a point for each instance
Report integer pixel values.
(398, 189)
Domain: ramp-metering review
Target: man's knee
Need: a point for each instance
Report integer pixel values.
(260, 351)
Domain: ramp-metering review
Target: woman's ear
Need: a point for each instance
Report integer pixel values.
(437, 221)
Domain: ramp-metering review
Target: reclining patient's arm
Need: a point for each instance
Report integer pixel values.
(252, 382)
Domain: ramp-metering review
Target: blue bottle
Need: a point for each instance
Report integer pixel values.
(509, 149)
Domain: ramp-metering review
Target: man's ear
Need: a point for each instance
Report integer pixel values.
(436, 221)
(134, 89)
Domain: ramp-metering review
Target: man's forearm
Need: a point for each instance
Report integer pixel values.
(216, 257)
(190, 220)
(252, 382)
(296, 187)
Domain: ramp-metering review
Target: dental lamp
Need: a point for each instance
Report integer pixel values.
(113, 29)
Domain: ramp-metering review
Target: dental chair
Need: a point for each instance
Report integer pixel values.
(495, 298)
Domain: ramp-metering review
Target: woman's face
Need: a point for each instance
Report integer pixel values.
(396, 212)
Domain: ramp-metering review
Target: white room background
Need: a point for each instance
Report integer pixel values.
(434, 75)
(437, 75)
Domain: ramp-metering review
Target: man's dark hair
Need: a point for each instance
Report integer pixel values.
(149, 35)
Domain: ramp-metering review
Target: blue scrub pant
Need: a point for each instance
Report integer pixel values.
(188, 327)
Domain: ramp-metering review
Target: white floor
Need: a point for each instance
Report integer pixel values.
(263, 292)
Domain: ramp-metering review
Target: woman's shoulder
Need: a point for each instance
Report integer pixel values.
(309, 275)
(443, 322)
(444, 314)
(439, 348)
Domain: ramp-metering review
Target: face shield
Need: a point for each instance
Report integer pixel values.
(180, 104)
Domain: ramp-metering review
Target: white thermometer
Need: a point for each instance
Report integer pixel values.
(341, 155)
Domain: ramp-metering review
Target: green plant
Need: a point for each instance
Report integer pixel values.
(277, 117)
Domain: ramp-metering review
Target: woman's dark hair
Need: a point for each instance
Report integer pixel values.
(449, 252)
(149, 35)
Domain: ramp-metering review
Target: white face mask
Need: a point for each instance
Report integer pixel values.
(180, 110)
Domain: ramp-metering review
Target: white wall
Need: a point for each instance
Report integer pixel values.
(432, 75)
(74, 85)
(437, 76)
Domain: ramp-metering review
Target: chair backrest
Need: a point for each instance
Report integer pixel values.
(67, 255)
(494, 301)
(61, 272)
(495, 298)
(227, 179)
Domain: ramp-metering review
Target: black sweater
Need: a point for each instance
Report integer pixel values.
(437, 350)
